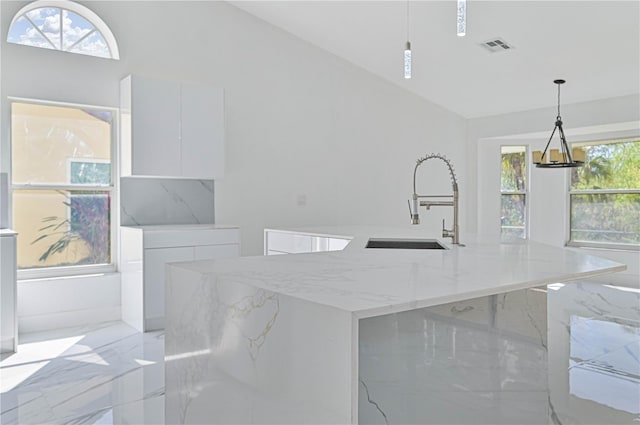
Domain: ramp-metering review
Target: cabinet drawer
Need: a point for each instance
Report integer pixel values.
(195, 237)
(288, 242)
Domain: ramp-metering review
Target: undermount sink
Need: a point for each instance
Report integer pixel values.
(404, 244)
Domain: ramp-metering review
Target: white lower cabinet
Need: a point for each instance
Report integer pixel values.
(278, 242)
(8, 292)
(144, 253)
(154, 263)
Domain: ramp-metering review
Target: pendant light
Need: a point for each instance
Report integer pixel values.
(563, 157)
(407, 50)
(461, 18)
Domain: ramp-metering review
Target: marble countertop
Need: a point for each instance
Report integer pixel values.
(181, 227)
(373, 282)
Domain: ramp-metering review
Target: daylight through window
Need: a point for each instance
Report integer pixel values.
(62, 181)
(64, 26)
(513, 191)
(605, 195)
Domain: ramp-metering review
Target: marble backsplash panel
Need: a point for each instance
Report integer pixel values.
(152, 201)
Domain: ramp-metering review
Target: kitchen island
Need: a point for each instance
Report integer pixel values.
(366, 335)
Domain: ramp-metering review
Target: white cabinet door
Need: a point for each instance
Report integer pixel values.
(291, 243)
(338, 244)
(155, 127)
(154, 265)
(202, 137)
(209, 252)
(171, 129)
(319, 244)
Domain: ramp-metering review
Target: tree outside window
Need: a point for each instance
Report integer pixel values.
(513, 190)
(605, 195)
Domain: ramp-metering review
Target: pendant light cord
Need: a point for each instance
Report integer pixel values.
(407, 20)
(558, 101)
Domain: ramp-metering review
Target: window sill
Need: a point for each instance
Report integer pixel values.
(70, 272)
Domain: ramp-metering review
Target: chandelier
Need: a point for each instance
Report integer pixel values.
(563, 157)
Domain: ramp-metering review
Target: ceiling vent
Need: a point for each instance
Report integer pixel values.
(496, 45)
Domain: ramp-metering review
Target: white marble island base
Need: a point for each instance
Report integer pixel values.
(272, 359)
(365, 337)
(481, 361)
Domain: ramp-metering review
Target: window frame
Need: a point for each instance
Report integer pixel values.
(83, 11)
(598, 245)
(112, 189)
(524, 193)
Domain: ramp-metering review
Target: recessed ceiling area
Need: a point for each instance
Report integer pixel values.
(594, 45)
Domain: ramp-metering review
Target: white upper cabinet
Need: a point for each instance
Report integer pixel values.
(171, 129)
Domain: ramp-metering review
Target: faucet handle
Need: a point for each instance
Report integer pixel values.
(445, 232)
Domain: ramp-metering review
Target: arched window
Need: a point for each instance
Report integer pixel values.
(65, 26)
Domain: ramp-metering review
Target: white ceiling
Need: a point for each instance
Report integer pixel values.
(594, 45)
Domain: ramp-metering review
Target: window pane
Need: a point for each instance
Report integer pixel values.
(514, 168)
(513, 215)
(608, 166)
(22, 32)
(47, 19)
(46, 139)
(75, 27)
(612, 218)
(93, 45)
(62, 228)
(94, 173)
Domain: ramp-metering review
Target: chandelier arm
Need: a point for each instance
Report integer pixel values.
(549, 142)
(566, 152)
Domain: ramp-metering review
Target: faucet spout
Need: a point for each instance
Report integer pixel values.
(453, 233)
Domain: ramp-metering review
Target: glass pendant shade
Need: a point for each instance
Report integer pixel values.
(407, 61)
(461, 18)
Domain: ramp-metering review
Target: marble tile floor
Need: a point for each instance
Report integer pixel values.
(111, 374)
(100, 374)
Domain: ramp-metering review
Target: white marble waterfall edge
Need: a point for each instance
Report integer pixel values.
(251, 355)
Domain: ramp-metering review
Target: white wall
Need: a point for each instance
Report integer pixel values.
(300, 121)
(548, 200)
(58, 303)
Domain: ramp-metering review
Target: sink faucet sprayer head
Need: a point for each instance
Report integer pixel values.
(415, 216)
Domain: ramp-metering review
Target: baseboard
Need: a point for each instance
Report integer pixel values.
(8, 345)
(154, 324)
(45, 322)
